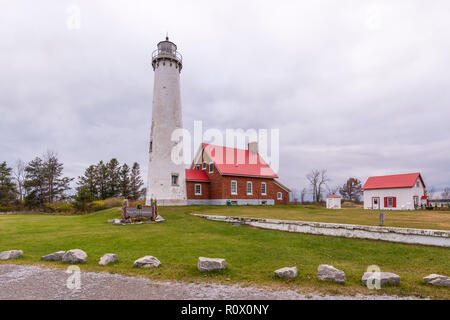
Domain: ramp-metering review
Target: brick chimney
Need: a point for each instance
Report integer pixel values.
(253, 147)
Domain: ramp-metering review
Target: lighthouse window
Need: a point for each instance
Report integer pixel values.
(151, 146)
(174, 179)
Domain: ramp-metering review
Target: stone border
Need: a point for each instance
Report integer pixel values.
(440, 238)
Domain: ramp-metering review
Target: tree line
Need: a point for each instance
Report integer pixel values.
(319, 187)
(40, 182)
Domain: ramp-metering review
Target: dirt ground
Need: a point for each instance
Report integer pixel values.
(20, 282)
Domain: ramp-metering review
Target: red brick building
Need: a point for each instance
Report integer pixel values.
(220, 174)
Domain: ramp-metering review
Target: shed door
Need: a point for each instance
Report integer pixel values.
(375, 203)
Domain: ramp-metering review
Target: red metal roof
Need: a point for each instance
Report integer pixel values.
(196, 175)
(393, 181)
(238, 162)
(333, 196)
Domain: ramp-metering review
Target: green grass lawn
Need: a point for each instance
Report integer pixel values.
(252, 254)
(421, 219)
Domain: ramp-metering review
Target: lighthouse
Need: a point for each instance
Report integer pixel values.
(166, 177)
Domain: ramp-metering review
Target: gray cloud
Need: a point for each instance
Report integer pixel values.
(357, 87)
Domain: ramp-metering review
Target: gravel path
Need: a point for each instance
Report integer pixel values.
(33, 282)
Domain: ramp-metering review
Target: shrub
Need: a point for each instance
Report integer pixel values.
(5, 208)
(96, 205)
(113, 202)
(59, 206)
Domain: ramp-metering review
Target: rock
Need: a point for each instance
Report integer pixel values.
(10, 254)
(107, 259)
(117, 221)
(159, 219)
(147, 262)
(55, 256)
(437, 280)
(210, 264)
(329, 273)
(287, 272)
(75, 256)
(385, 277)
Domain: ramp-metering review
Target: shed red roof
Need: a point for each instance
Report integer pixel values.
(393, 181)
(238, 162)
(196, 175)
(333, 196)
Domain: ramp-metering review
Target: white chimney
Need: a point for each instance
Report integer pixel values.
(253, 147)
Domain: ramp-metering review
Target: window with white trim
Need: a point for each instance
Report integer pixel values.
(279, 196)
(204, 165)
(174, 179)
(197, 167)
(211, 167)
(198, 189)
(249, 188)
(263, 188)
(233, 187)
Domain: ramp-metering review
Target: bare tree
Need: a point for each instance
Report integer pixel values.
(351, 190)
(317, 180)
(19, 177)
(323, 179)
(446, 193)
(430, 193)
(313, 178)
(303, 195)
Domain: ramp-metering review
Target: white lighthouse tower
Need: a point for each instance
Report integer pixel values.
(166, 178)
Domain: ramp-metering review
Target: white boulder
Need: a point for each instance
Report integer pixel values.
(147, 262)
(107, 259)
(210, 264)
(326, 272)
(10, 254)
(287, 272)
(75, 256)
(55, 256)
(437, 280)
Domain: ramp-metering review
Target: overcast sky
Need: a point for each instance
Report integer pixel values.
(358, 87)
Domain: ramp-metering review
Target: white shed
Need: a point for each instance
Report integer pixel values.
(333, 201)
(394, 192)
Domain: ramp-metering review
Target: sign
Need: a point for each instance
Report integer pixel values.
(135, 212)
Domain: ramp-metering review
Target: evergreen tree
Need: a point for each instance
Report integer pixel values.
(89, 181)
(113, 179)
(44, 181)
(55, 185)
(34, 183)
(82, 198)
(136, 182)
(101, 180)
(125, 182)
(7, 186)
